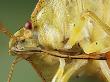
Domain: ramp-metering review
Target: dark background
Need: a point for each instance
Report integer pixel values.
(14, 14)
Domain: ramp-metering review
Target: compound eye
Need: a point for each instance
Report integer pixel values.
(28, 25)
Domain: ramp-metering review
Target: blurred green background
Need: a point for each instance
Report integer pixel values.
(14, 14)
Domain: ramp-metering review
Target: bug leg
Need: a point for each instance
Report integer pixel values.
(100, 44)
(38, 7)
(94, 17)
(104, 68)
(96, 46)
(59, 73)
(16, 60)
(72, 69)
(76, 32)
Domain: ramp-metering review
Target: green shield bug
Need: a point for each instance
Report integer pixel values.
(63, 38)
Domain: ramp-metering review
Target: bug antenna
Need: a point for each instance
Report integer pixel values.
(5, 31)
(16, 60)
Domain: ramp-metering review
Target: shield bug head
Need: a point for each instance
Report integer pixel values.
(25, 38)
(22, 40)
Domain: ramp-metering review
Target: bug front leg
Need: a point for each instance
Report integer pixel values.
(101, 44)
(96, 19)
(72, 69)
(96, 46)
(59, 74)
(38, 7)
(15, 61)
(76, 32)
(104, 68)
